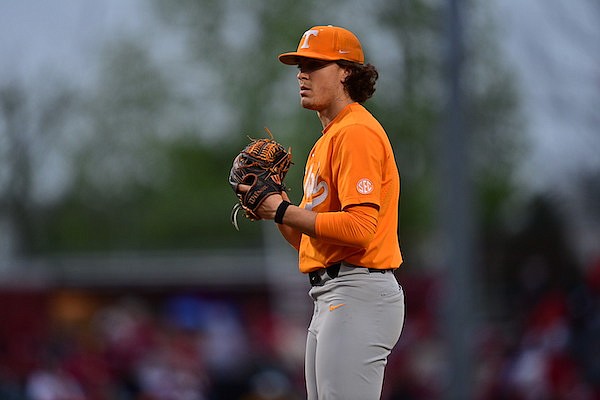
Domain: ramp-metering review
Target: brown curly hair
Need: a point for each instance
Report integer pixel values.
(360, 84)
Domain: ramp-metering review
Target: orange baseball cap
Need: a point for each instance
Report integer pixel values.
(326, 43)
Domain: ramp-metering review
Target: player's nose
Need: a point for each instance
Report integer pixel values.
(301, 75)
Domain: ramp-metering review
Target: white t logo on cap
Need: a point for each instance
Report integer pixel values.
(307, 35)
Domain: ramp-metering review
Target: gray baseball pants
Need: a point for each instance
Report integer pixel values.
(357, 320)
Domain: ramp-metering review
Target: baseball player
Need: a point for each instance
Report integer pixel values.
(345, 228)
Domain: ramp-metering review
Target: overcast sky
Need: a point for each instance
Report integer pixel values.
(554, 48)
(63, 36)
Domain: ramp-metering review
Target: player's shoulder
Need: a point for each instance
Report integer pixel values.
(356, 125)
(363, 128)
(358, 116)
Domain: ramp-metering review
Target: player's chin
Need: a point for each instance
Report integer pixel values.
(307, 103)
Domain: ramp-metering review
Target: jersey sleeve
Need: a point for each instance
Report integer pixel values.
(358, 163)
(355, 227)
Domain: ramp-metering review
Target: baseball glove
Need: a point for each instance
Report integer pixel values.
(262, 165)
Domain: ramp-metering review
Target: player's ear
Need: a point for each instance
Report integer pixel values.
(344, 74)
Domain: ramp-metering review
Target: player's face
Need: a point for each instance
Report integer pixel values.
(320, 83)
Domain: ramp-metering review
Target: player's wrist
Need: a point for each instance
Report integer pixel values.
(281, 210)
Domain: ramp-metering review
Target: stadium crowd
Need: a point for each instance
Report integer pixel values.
(74, 344)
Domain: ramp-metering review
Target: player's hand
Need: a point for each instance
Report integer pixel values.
(268, 207)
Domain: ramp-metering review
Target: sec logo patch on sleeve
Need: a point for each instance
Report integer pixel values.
(364, 186)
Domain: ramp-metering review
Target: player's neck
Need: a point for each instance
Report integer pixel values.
(328, 114)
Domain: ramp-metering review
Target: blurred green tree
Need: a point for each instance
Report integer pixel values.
(34, 130)
(142, 182)
(157, 142)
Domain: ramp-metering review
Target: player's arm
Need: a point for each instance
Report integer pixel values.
(354, 226)
(293, 236)
(296, 222)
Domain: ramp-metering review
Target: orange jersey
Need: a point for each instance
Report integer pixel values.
(352, 163)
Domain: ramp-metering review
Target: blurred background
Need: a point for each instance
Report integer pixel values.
(121, 276)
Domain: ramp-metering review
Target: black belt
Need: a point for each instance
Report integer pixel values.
(315, 278)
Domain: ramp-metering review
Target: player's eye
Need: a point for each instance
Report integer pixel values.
(312, 65)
